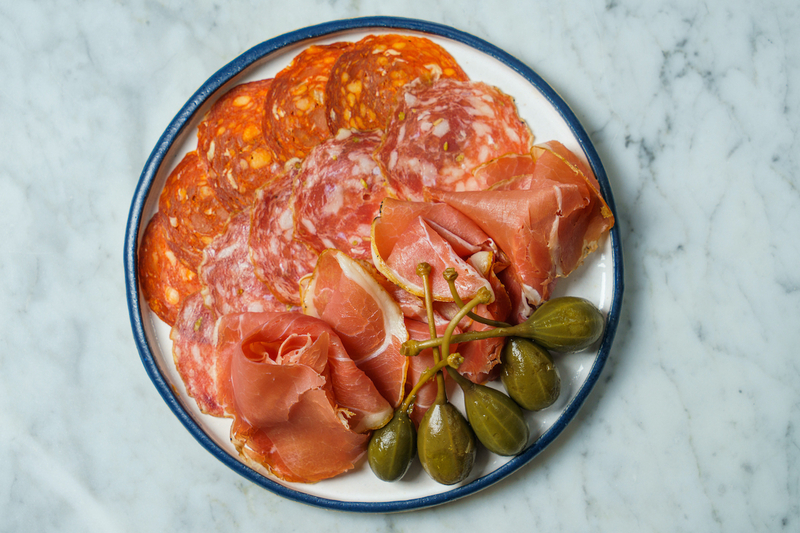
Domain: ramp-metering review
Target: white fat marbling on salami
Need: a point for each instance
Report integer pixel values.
(440, 133)
(337, 193)
(228, 277)
(279, 259)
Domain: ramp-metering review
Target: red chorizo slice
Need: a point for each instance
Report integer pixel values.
(194, 353)
(337, 194)
(295, 112)
(193, 212)
(229, 282)
(230, 141)
(280, 260)
(368, 80)
(165, 280)
(441, 133)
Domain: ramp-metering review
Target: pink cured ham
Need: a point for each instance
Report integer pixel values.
(313, 444)
(407, 233)
(364, 316)
(440, 133)
(194, 354)
(228, 277)
(546, 223)
(301, 406)
(279, 258)
(338, 192)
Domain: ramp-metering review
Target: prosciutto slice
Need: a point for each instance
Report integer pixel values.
(407, 233)
(299, 401)
(546, 222)
(346, 295)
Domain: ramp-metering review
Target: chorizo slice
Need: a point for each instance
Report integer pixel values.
(231, 145)
(368, 80)
(164, 279)
(193, 212)
(295, 111)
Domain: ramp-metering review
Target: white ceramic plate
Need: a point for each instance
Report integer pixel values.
(599, 279)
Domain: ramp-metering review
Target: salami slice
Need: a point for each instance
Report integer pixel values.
(193, 212)
(295, 118)
(229, 282)
(441, 133)
(367, 81)
(194, 354)
(231, 144)
(338, 193)
(280, 260)
(165, 280)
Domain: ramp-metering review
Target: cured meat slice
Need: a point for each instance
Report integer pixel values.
(546, 222)
(338, 192)
(165, 281)
(299, 401)
(370, 324)
(368, 80)
(312, 445)
(191, 207)
(194, 354)
(440, 133)
(231, 145)
(407, 233)
(279, 259)
(229, 282)
(295, 119)
(503, 168)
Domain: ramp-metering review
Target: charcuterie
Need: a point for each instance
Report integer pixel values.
(440, 133)
(369, 80)
(279, 258)
(228, 277)
(193, 212)
(164, 279)
(231, 145)
(314, 253)
(338, 192)
(295, 108)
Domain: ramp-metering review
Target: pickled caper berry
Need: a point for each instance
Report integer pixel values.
(495, 418)
(529, 374)
(446, 444)
(566, 324)
(393, 447)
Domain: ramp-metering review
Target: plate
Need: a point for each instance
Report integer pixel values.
(599, 279)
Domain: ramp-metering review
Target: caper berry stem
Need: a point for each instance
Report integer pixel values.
(450, 275)
(424, 271)
(414, 347)
(454, 360)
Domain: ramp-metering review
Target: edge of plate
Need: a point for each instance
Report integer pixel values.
(175, 128)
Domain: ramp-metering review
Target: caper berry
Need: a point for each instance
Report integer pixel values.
(392, 448)
(567, 324)
(529, 374)
(446, 444)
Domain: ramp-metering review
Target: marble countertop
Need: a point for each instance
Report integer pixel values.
(694, 109)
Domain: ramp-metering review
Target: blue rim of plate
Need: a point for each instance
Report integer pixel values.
(180, 122)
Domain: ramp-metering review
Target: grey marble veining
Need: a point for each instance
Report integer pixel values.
(694, 109)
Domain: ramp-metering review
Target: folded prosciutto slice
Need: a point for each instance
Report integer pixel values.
(347, 296)
(299, 402)
(546, 221)
(407, 233)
